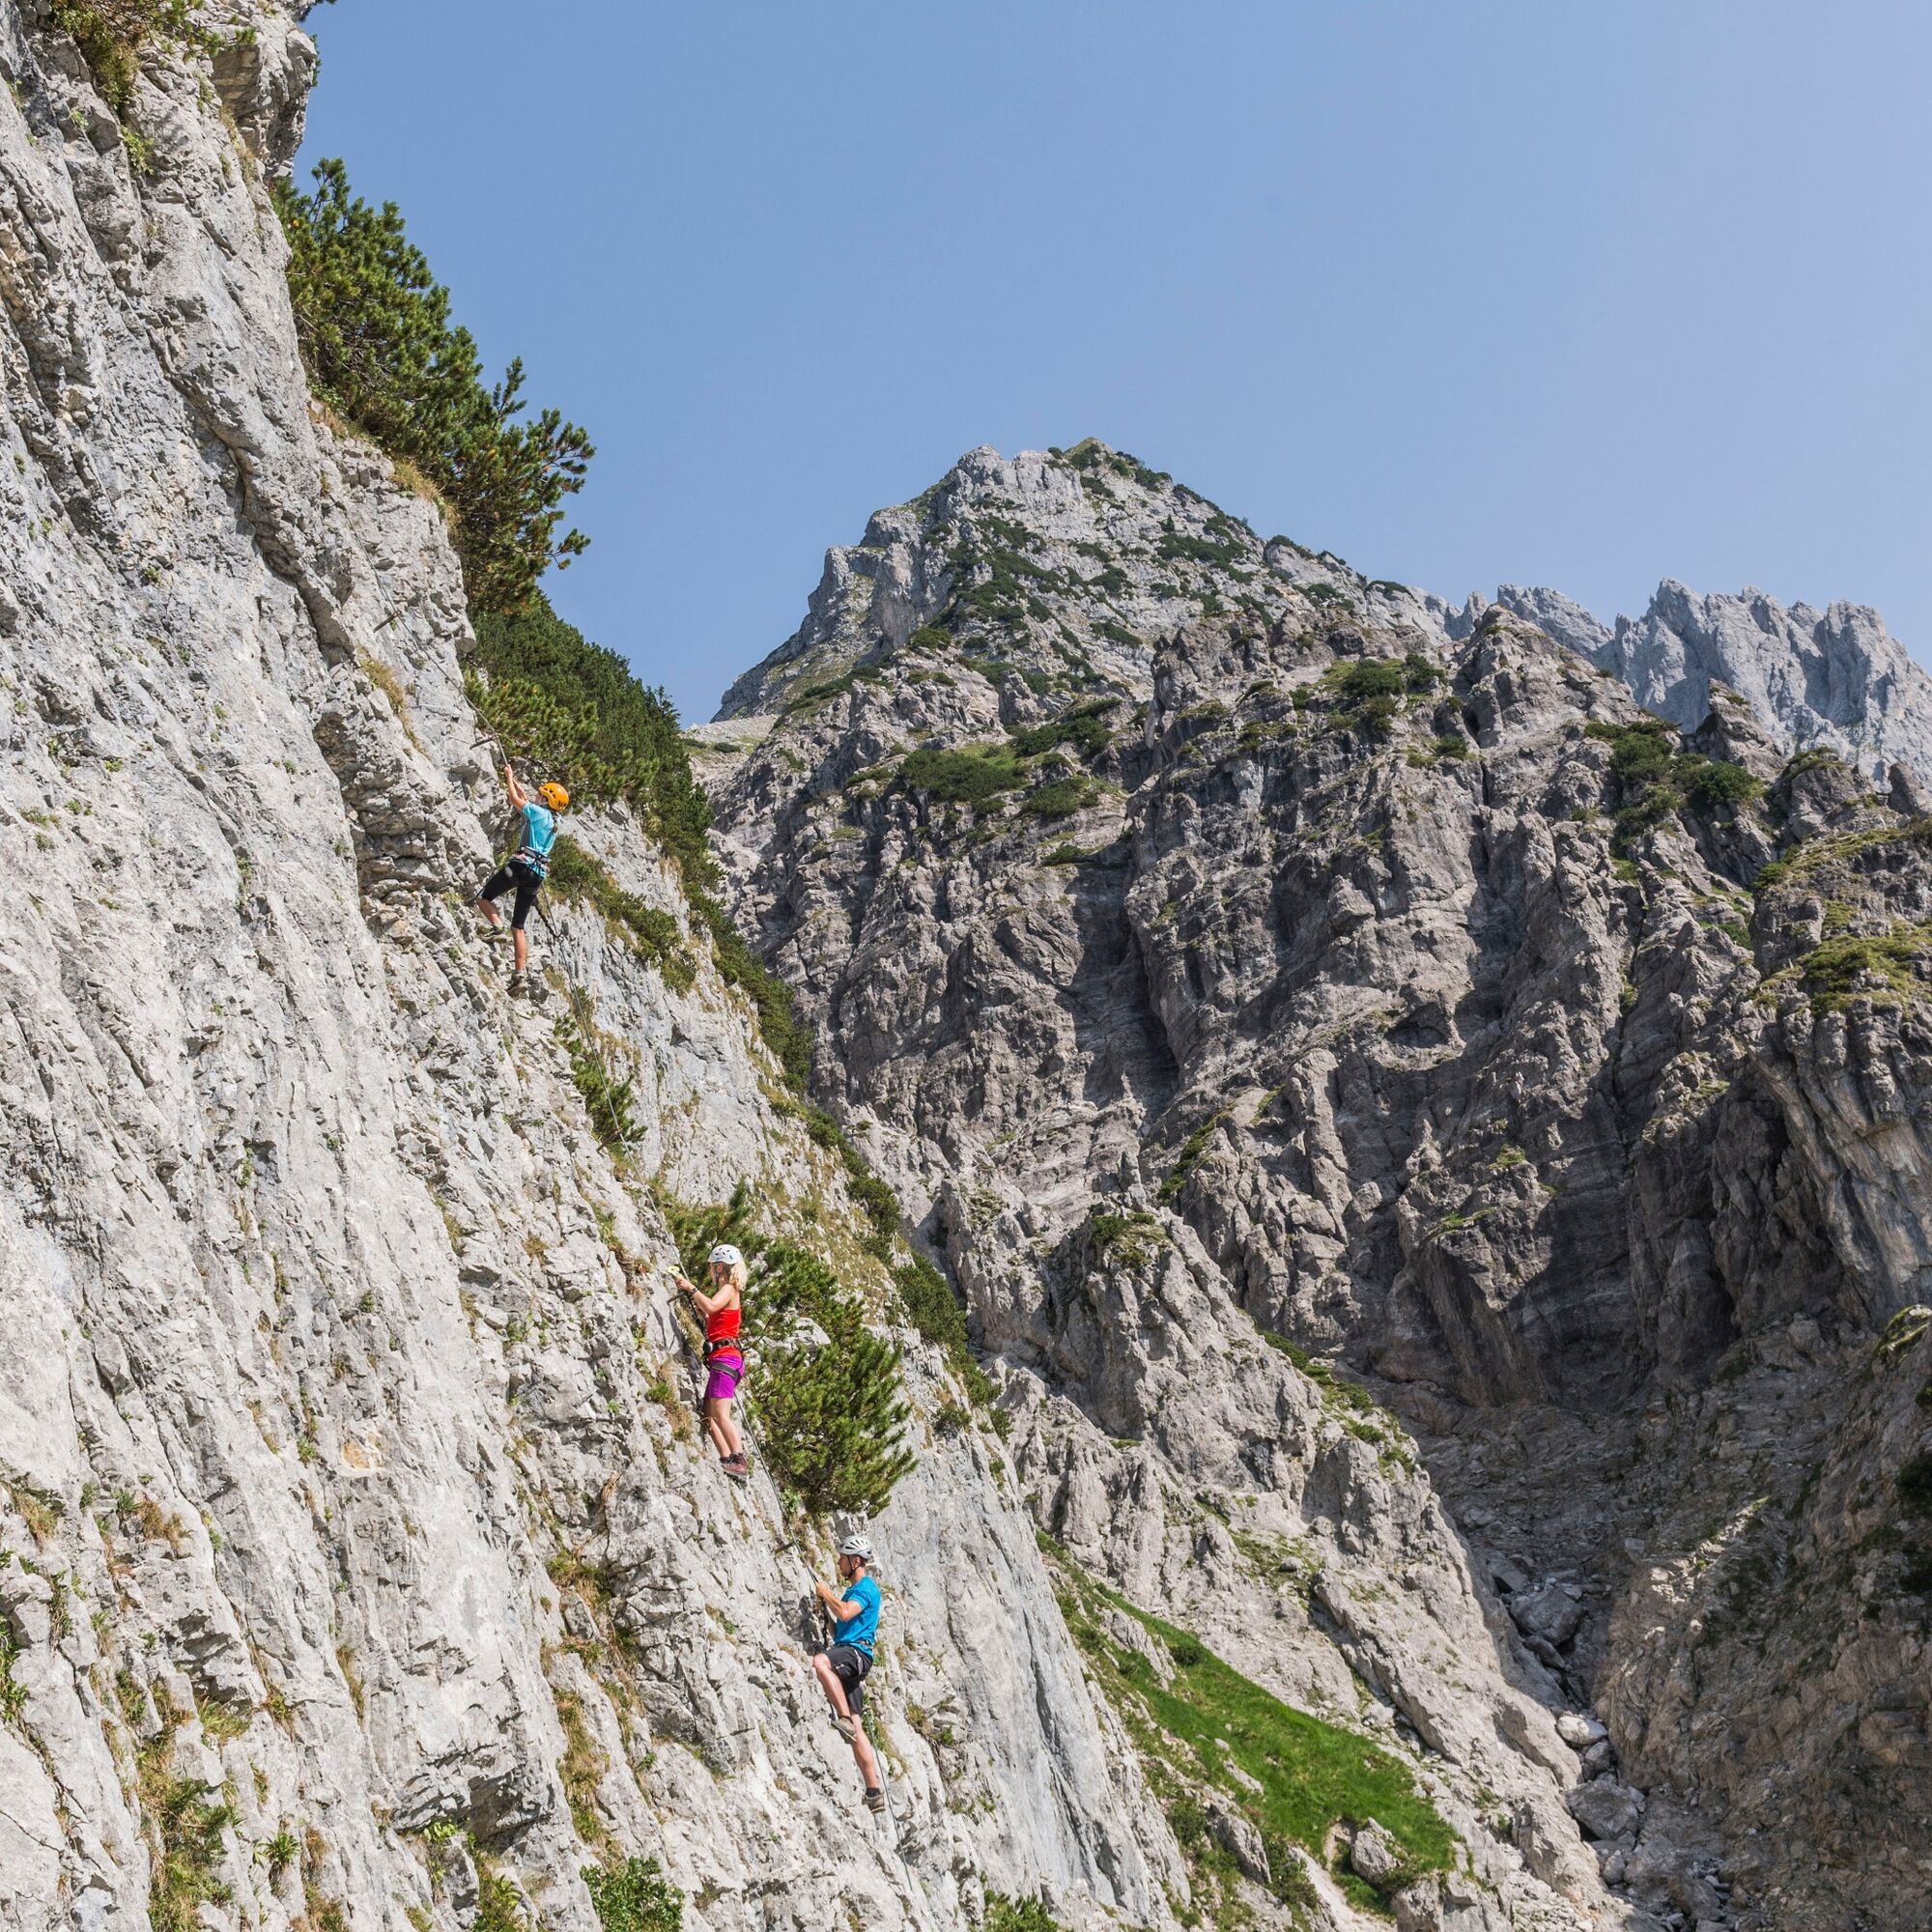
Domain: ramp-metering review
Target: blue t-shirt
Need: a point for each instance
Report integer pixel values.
(539, 835)
(860, 1631)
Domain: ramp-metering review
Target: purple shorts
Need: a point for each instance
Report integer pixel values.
(723, 1383)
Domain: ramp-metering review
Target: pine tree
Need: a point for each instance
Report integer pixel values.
(830, 1415)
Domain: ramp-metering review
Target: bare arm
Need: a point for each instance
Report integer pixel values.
(836, 1604)
(706, 1305)
(518, 797)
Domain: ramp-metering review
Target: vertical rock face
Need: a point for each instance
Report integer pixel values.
(1832, 679)
(358, 1563)
(1324, 979)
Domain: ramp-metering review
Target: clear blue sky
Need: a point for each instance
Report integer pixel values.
(1572, 294)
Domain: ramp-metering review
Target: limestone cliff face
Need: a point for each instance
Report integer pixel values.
(1832, 679)
(1321, 976)
(357, 1562)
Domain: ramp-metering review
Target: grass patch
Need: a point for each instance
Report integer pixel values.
(1830, 972)
(1294, 1775)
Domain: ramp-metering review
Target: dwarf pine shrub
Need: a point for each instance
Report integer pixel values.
(381, 349)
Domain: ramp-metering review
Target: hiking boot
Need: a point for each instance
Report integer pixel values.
(846, 1728)
(876, 1800)
(519, 985)
(736, 1467)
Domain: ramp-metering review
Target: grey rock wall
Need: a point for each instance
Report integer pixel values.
(1333, 987)
(358, 1558)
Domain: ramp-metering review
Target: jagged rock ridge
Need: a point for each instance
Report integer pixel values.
(1830, 678)
(1339, 967)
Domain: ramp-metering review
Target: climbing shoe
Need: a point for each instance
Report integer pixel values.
(736, 1467)
(876, 1800)
(519, 985)
(846, 1728)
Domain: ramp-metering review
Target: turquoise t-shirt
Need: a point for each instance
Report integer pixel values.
(860, 1631)
(539, 835)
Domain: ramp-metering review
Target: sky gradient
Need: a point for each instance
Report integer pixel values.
(1575, 296)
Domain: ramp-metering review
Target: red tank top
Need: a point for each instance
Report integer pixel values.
(724, 1326)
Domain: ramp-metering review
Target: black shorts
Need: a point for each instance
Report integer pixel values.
(849, 1664)
(518, 877)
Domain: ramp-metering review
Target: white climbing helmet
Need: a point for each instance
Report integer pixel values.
(856, 1546)
(726, 1255)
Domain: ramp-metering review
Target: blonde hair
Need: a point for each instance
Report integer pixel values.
(739, 1274)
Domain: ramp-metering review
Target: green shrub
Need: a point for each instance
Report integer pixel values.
(831, 1420)
(653, 935)
(1189, 1158)
(1061, 798)
(635, 1897)
(110, 35)
(575, 710)
(1018, 1915)
(1126, 1240)
(1717, 784)
(967, 777)
(930, 1305)
(1372, 677)
(375, 336)
(1640, 753)
(500, 1905)
(1080, 728)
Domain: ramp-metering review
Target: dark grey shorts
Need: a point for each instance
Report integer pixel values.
(849, 1664)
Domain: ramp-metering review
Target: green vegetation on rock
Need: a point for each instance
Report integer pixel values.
(830, 1414)
(653, 935)
(1294, 1777)
(1018, 1915)
(969, 776)
(635, 1897)
(381, 349)
(1656, 781)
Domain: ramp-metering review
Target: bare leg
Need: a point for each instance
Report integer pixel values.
(713, 1425)
(728, 1428)
(521, 941)
(833, 1685)
(490, 912)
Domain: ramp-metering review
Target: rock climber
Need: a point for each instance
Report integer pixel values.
(724, 1312)
(841, 1668)
(524, 873)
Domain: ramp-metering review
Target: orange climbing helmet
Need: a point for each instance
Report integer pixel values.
(553, 795)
